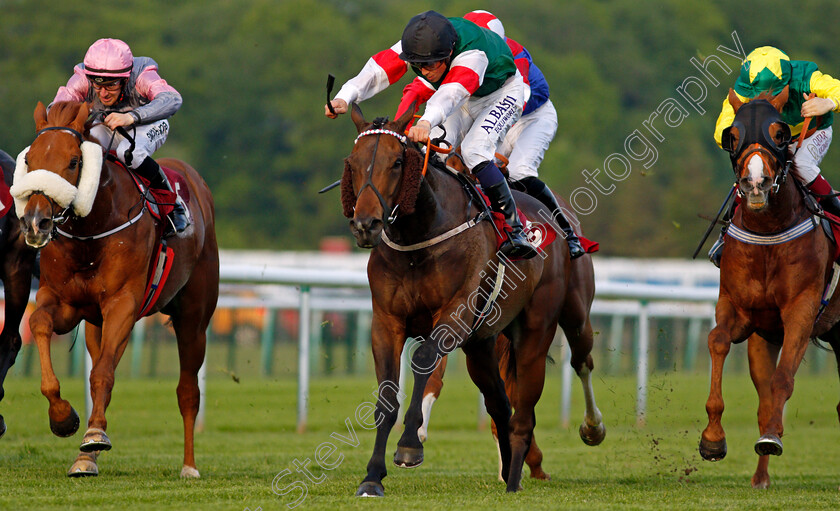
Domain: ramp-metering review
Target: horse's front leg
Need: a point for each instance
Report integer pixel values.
(17, 279)
(798, 319)
(762, 356)
(117, 322)
(388, 339)
(713, 438)
(64, 421)
(428, 356)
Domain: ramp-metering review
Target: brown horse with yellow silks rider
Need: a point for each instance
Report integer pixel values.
(775, 277)
(98, 242)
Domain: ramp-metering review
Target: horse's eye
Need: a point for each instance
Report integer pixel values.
(26, 160)
(74, 162)
(398, 163)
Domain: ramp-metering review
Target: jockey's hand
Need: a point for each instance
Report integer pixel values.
(420, 132)
(117, 119)
(816, 106)
(340, 107)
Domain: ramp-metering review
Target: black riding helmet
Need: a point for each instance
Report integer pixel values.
(428, 37)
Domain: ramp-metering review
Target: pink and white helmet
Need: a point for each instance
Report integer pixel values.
(109, 58)
(487, 20)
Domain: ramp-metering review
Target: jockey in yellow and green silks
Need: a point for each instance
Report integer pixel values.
(768, 69)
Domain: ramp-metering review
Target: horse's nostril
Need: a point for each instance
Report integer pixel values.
(44, 224)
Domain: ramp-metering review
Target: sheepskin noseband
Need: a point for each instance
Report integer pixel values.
(56, 187)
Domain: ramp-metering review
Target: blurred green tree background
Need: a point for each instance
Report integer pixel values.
(253, 72)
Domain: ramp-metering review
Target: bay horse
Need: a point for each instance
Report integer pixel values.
(439, 279)
(775, 267)
(96, 267)
(17, 263)
(582, 290)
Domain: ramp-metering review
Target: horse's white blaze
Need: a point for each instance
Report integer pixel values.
(592, 415)
(756, 168)
(423, 430)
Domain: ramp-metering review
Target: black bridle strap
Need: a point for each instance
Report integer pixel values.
(63, 128)
(369, 183)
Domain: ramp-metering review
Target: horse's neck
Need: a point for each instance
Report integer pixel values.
(441, 205)
(786, 209)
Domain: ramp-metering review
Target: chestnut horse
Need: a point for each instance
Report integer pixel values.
(17, 262)
(438, 278)
(774, 270)
(97, 266)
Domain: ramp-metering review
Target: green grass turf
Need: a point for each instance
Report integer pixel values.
(250, 437)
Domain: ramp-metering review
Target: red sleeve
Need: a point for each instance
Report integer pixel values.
(520, 58)
(391, 63)
(417, 91)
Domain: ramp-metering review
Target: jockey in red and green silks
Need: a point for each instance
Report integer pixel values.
(768, 69)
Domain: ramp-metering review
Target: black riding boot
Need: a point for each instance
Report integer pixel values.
(178, 219)
(717, 248)
(537, 189)
(501, 200)
(831, 205)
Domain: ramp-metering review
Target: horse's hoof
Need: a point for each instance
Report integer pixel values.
(189, 473)
(83, 467)
(2, 427)
(95, 439)
(760, 484)
(592, 435)
(408, 457)
(370, 489)
(712, 451)
(768, 444)
(66, 427)
(540, 475)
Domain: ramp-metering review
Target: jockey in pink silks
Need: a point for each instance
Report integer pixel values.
(127, 91)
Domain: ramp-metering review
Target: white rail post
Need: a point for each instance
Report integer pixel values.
(642, 364)
(304, 320)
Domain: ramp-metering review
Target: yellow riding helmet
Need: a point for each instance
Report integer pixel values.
(766, 69)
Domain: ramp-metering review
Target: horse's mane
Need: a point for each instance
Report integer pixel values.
(63, 113)
(410, 188)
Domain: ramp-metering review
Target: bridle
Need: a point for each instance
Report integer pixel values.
(63, 215)
(378, 130)
(753, 122)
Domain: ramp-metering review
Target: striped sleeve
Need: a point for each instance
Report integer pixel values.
(825, 86)
(379, 72)
(464, 77)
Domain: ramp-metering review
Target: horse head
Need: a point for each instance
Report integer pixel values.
(57, 173)
(381, 176)
(757, 143)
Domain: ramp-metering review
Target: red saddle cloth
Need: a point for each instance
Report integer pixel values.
(164, 199)
(5, 196)
(539, 234)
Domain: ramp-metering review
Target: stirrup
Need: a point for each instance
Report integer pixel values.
(575, 248)
(517, 246)
(716, 251)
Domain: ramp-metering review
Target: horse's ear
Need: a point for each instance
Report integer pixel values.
(405, 118)
(780, 99)
(358, 118)
(40, 116)
(78, 123)
(734, 100)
